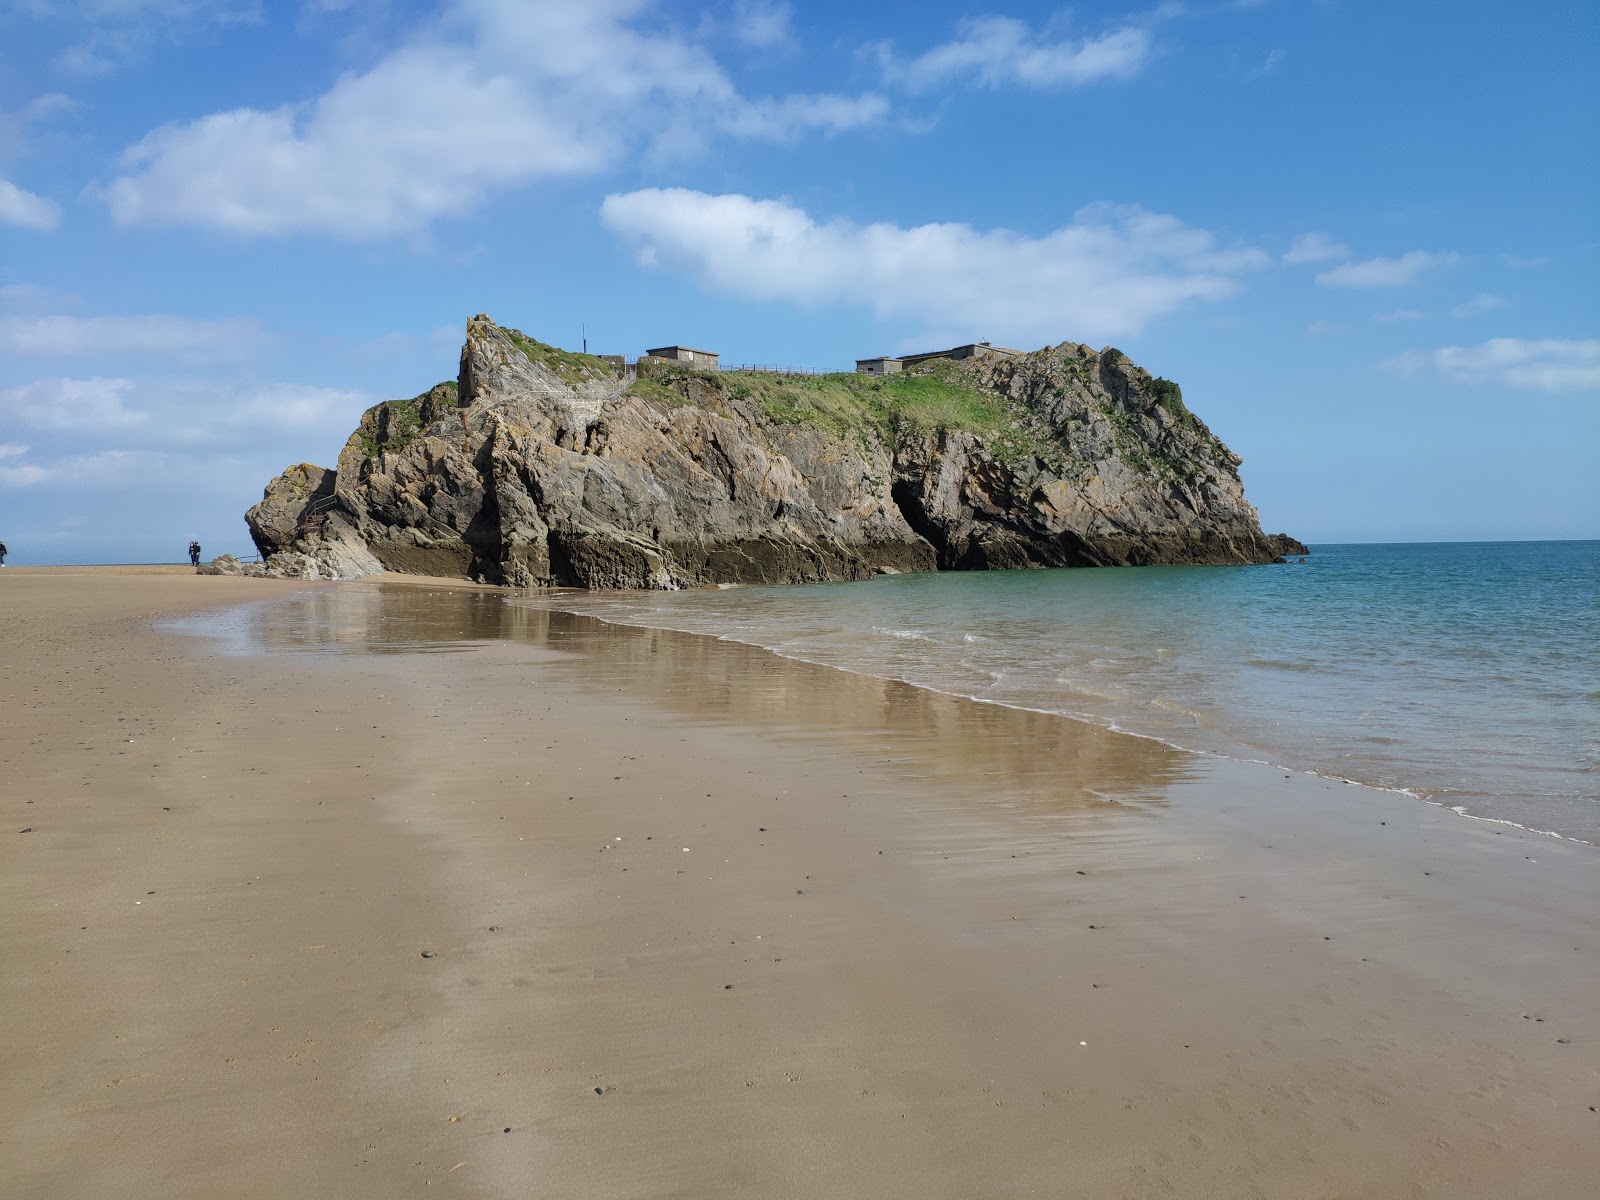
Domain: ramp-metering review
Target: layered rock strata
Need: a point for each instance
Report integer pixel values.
(543, 467)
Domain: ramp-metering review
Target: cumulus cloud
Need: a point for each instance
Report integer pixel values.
(1005, 52)
(1314, 247)
(1385, 272)
(1541, 364)
(1110, 271)
(87, 337)
(500, 93)
(25, 210)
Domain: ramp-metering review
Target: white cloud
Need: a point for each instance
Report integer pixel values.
(1481, 303)
(25, 210)
(104, 470)
(1544, 364)
(17, 122)
(113, 33)
(761, 23)
(68, 405)
(87, 337)
(22, 474)
(31, 298)
(119, 413)
(1110, 271)
(289, 406)
(1385, 272)
(501, 93)
(1314, 247)
(1003, 51)
(1270, 63)
(787, 118)
(11, 449)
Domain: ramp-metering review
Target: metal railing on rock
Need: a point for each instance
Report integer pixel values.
(773, 369)
(315, 515)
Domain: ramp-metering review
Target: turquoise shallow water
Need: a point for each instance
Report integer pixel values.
(1467, 674)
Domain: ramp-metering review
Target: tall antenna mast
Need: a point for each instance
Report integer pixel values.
(585, 331)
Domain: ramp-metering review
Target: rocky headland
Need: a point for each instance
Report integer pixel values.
(539, 466)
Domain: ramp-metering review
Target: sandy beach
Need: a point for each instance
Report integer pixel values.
(446, 897)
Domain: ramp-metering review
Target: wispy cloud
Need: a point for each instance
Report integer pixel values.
(1314, 247)
(1385, 272)
(109, 34)
(1542, 364)
(760, 24)
(1483, 302)
(25, 210)
(59, 336)
(1270, 63)
(67, 405)
(1110, 271)
(499, 94)
(1005, 52)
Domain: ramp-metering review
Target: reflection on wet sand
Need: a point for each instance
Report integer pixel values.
(985, 750)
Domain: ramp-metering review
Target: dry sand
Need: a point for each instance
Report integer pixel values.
(703, 922)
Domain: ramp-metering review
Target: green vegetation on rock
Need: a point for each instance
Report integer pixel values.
(1168, 395)
(568, 366)
(854, 406)
(391, 426)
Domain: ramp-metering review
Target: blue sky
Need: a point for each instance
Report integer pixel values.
(1363, 237)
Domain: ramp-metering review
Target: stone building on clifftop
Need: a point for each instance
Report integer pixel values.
(893, 366)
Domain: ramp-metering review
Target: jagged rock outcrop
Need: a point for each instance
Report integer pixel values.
(539, 466)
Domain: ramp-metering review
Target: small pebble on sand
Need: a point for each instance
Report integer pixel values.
(427, 954)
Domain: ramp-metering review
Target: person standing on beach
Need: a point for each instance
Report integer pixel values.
(194, 554)
(2, 554)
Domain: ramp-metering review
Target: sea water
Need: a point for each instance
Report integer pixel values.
(1465, 674)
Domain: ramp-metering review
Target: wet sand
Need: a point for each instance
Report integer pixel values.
(704, 922)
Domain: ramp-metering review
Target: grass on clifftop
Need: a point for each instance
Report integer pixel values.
(568, 366)
(847, 404)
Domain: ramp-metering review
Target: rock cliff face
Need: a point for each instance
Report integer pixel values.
(539, 466)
